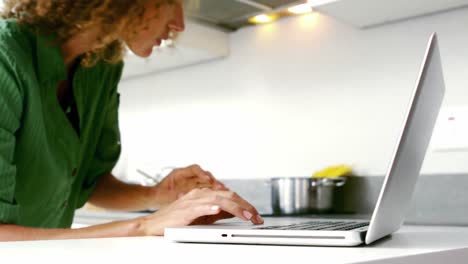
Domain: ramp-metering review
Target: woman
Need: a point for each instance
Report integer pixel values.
(60, 64)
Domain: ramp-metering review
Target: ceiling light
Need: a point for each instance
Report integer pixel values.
(300, 9)
(320, 2)
(262, 19)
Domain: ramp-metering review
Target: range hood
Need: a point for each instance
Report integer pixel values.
(230, 15)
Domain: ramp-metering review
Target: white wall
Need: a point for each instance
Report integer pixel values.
(293, 97)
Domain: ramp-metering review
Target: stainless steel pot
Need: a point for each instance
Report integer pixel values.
(301, 195)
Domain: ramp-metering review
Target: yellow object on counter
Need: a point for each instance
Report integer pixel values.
(333, 172)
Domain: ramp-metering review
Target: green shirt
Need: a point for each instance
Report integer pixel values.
(47, 169)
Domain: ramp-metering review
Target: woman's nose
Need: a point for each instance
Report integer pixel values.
(178, 23)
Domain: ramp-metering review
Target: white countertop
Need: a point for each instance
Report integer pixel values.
(411, 244)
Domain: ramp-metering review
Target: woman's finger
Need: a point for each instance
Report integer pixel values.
(230, 206)
(237, 210)
(249, 207)
(203, 185)
(196, 177)
(217, 184)
(232, 203)
(204, 209)
(193, 172)
(213, 179)
(220, 186)
(210, 219)
(198, 171)
(209, 197)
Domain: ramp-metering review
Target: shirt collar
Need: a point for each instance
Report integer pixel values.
(50, 63)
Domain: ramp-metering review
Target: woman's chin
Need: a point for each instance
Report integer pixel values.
(143, 53)
(147, 53)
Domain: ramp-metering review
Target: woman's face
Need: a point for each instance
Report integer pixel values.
(156, 25)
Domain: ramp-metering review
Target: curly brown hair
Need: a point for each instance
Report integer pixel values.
(66, 18)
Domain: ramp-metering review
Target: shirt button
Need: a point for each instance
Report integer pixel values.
(74, 172)
(65, 204)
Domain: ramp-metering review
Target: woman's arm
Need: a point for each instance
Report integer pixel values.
(112, 194)
(199, 206)
(114, 229)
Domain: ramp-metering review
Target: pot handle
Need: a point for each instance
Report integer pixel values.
(335, 182)
(340, 181)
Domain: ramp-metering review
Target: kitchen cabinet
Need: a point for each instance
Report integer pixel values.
(368, 13)
(233, 14)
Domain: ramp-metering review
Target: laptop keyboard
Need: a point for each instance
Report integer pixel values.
(319, 225)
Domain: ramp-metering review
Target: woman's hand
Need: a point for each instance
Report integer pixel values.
(181, 181)
(199, 206)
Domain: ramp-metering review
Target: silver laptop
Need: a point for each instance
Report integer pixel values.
(394, 197)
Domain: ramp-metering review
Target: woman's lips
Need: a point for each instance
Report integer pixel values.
(158, 41)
